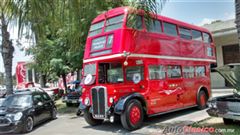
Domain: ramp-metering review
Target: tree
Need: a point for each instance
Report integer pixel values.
(60, 30)
(7, 13)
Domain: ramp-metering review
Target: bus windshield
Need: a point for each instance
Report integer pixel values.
(110, 73)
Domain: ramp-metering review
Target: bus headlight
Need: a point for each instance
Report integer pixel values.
(111, 100)
(87, 101)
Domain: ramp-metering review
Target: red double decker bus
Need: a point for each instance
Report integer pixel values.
(132, 69)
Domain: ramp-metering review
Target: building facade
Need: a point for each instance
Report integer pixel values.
(227, 47)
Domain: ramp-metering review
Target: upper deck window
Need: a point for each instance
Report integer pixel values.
(197, 35)
(114, 23)
(170, 29)
(154, 26)
(185, 33)
(207, 38)
(96, 28)
(134, 21)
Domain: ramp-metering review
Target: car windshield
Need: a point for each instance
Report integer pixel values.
(17, 101)
(110, 73)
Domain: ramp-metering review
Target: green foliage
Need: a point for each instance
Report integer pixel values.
(60, 29)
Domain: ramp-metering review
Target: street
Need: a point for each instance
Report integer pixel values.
(72, 125)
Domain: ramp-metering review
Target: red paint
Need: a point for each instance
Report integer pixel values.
(163, 94)
(135, 115)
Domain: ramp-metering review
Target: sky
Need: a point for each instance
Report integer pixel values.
(196, 12)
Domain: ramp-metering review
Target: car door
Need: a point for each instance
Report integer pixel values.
(38, 107)
(48, 105)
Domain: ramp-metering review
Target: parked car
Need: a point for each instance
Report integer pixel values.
(73, 94)
(3, 91)
(55, 92)
(227, 106)
(50, 93)
(23, 110)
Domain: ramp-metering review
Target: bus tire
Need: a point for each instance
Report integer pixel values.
(132, 117)
(202, 100)
(89, 118)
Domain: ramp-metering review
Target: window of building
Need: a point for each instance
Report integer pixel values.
(188, 72)
(170, 29)
(185, 33)
(157, 72)
(114, 23)
(196, 35)
(134, 71)
(96, 28)
(154, 26)
(174, 71)
(207, 38)
(200, 71)
(134, 21)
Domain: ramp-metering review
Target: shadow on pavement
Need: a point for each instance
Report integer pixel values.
(150, 122)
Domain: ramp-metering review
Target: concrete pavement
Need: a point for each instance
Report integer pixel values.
(72, 125)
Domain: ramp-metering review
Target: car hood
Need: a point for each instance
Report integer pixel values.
(9, 110)
(231, 73)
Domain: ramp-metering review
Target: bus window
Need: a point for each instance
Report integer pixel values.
(157, 72)
(185, 33)
(134, 21)
(154, 26)
(188, 72)
(134, 71)
(96, 28)
(110, 73)
(200, 71)
(170, 29)
(197, 35)
(209, 51)
(114, 23)
(174, 71)
(207, 38)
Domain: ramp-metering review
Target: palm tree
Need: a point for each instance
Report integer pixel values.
(7, 14)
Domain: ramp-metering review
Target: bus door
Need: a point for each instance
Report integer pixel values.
(173, 87)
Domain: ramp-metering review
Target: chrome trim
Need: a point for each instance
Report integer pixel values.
(106, 103)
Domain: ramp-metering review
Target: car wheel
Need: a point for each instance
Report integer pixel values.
(89, 118)
(28, 125)
(202, 100)
(132, 117)
(54, 114)
(228, 121)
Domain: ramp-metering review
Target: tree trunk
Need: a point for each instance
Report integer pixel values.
(64, 81)
(7, 50)
(43, 81)
(78, 75)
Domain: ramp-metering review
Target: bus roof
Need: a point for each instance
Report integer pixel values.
(121, 10)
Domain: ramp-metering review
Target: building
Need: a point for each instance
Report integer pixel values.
(227, 47)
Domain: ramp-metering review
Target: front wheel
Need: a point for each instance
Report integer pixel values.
(89, 118)
(132, 117)
(202, 100)
(28, 125)
(54, 114)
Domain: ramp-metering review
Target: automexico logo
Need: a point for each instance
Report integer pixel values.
(190, 130)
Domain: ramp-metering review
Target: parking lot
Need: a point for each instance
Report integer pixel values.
(69, 124)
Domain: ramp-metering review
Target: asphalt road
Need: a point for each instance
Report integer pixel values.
(72, 125)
